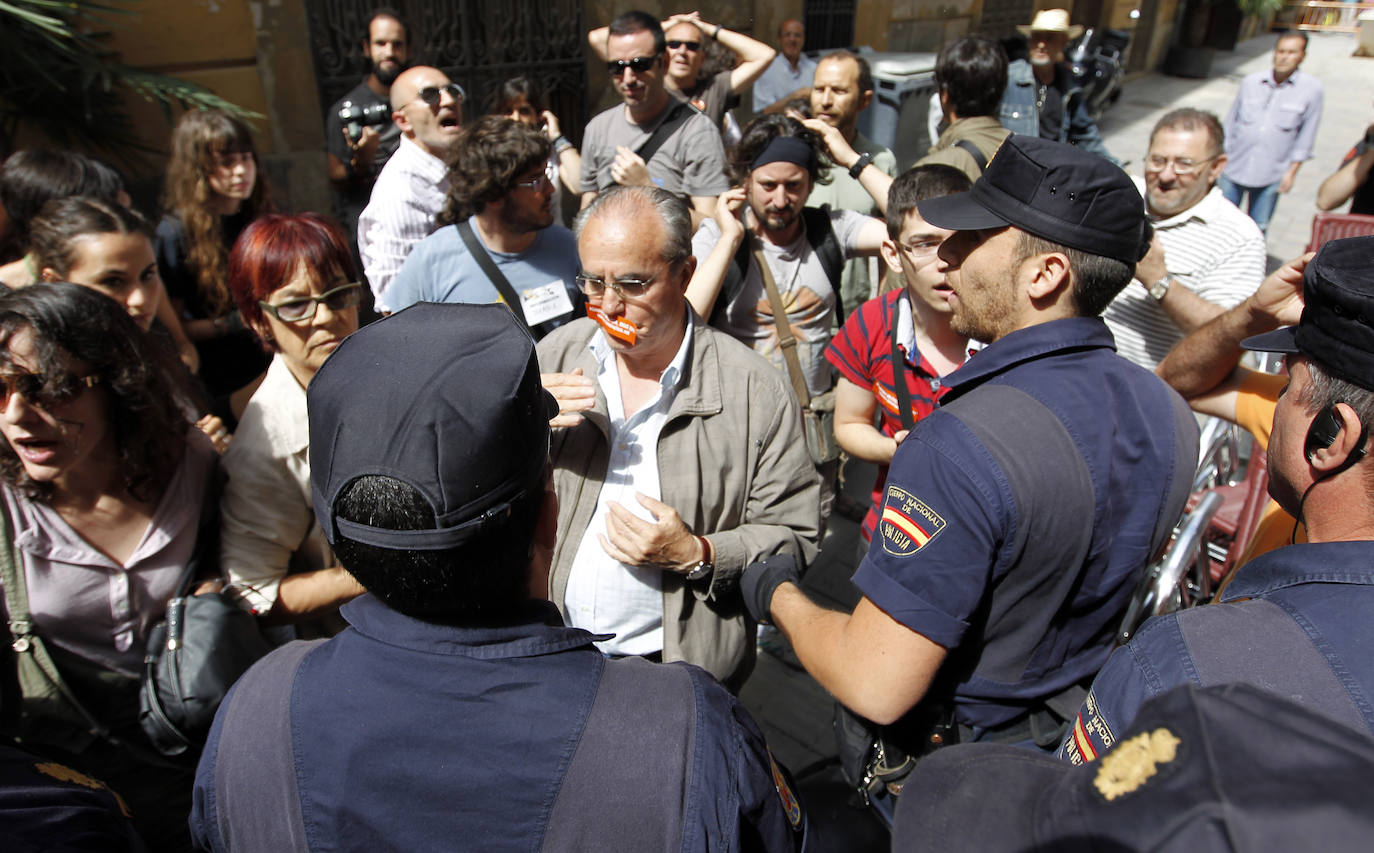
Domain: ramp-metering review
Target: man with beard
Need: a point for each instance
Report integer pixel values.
(653, 139)
(1207, 256)
(1041, 98)
(354, 163)
(1018, 515)
(775, 167)
(409, 193)
(497, 241)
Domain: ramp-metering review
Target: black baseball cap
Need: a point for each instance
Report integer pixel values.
(446, 398)
(1222, 768)
(1055, 191)
(1337, 325)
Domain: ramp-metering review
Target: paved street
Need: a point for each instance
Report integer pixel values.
(793, 710)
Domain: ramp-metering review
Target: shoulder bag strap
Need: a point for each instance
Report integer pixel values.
(899, 369)
(479, 254)
(677, 117)
(786, 342)
(973, 152)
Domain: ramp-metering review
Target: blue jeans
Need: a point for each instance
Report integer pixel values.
(1262, 199)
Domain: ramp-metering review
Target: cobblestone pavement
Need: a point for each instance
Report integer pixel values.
(794, 711)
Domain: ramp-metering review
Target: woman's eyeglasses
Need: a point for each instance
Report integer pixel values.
(302, 308)
(639, 65)
(44, 391)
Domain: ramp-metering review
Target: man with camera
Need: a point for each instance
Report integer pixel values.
(359, 132)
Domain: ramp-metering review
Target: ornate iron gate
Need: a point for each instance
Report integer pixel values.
(475, 44)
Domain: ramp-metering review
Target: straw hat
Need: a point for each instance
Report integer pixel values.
(1052, 21)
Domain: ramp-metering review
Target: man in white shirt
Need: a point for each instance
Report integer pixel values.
(678, 458)
(409, 193)
(789, 75)
(1206, 257)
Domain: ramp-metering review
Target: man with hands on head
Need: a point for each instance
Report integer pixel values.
(688, 158)
(686, 35)
(679, 458)
(988, 595)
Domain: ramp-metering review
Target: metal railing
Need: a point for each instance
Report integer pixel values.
(1320, 16)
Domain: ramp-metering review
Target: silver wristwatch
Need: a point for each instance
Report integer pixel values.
(1161, 287)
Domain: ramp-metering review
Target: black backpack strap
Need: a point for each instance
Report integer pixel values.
(973, 152)
(479, 254)
(826, 245)
(899, 370)
(735, 274)
(677, 117)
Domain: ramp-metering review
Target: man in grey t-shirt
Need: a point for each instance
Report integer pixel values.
(689, 163)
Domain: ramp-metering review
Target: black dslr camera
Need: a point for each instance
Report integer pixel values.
(356, 116)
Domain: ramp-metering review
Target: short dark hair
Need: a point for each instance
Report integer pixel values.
(1095, 279)
(31, 178)
(513, 90)
(635, 21)
(53, 232)
(1293, 34)
(763, 130)
(493, 153)
(484, 580)
(139, 375)
(972, 72)
(865, 71)
(918, 184)
(1187, 118)
(384, 12)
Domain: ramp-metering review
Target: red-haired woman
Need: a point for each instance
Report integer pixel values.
(294, 282)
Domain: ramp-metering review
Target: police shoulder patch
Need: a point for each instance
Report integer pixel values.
(907, 525)
(791, 806)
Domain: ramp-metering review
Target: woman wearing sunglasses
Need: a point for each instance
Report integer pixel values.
(103, 484)
(213, 191)
(295, 285)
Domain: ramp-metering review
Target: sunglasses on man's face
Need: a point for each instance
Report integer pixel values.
(693, 46)
(639, 65)
(432, 95)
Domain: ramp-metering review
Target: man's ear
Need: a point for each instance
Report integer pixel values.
(400, 120)
(865, 99)
(1337, 455)
(1217, 167)
(689, 268)
(49, 274)
(891, 254)
(1048, 274)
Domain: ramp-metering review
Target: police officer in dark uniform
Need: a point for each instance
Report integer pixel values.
(1019, 514)
(1296, 620)
(457, 712)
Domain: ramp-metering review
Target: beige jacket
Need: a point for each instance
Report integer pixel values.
(732, 461)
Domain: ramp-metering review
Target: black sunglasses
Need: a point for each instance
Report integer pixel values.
(693, 46)
(432, 95)
(639, 65)
(44, 391)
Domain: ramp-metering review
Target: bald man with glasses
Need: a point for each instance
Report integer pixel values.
(652, 138)
(1207, 255)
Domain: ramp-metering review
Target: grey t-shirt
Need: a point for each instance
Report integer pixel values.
(691, 162)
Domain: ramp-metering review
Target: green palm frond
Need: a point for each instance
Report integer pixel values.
(58, 78)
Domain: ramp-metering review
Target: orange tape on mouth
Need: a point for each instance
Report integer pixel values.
(619, 328)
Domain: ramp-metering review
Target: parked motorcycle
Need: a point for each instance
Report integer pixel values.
(1097, 62)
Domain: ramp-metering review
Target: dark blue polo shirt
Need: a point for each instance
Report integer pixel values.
(1295, 621)
(1018, 516)
(399, 734)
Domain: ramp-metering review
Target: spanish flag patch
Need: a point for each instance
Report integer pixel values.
(906, 523)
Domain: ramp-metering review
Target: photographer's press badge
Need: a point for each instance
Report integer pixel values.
(907, 524)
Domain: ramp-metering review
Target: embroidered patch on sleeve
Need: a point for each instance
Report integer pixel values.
(907, 524)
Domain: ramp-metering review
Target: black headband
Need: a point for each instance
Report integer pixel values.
(785, 149)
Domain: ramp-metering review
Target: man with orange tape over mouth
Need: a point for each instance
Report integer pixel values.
(678, 452)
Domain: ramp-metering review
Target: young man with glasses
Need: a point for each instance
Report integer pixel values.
(1206, 257)
(687, 39)
(678, 455)
(685, 155)
(409, 193)
(497, 241)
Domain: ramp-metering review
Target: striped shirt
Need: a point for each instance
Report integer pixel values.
(1213, 250)
(407, 197)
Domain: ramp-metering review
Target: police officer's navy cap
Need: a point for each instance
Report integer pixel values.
(1054, 191)
(446, 398)
(1223, 768)
(1337, 325)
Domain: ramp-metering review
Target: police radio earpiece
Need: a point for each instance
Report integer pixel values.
(1326, 426)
